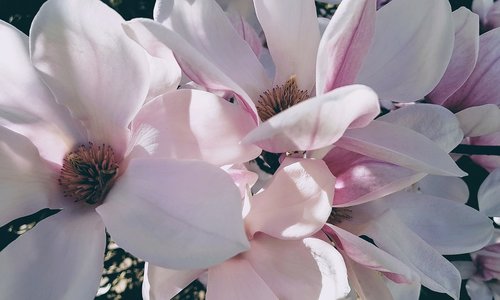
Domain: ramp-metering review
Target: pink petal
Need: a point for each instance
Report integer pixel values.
(84, 57)
(412, 46)
(369, 256)
(176, 225)
(236, 278)
(464, 55)
(367, 283)
(400, 146)
(304, 269)
(204, 25)
(26, 182)
(487, 195)
(292, 36)
(165, 73)
(27, 106)
(433, 121)
(296, 203)
(451, 188)
(161, 283)
(489, 162)
(481, 7)
(479, 120)
(246, 31)
(191, 124)
(493, 17)
(60, 258)
(478, 289)
(316, 122)
(479, 89)
(344, 45)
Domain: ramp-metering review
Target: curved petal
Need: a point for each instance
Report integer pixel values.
(26, 104)
(316, 122)
(451, 188)
(481, 7)
(245, 30)
(489, 162)
(292, 36)
(26, 182)
(412, 46)
(479, 89)
(165, 73)
(283, 266)
(433, 121)
(466, 268)
(487, 196)
(296, 203)
(344, 44)
(176, 226)
(85, 58)
(160, 283)
(60, 258)
(191, 124)
(478, 290)
(214, 75)
(493, 21)
(204, 25)
(448, 226)
(464, 57)
(479, 120)
(401, 146)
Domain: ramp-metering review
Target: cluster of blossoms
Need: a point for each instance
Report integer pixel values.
(273, 154)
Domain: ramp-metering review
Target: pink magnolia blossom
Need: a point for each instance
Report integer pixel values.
(72, 114)
(284, 260)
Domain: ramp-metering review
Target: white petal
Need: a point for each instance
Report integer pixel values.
(487, 196)
(160, 283)
(478, 290)
(450, 188)
(479, 120)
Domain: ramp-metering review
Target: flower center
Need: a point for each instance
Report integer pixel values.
(338, 215)
(88, 173)
(280, 98)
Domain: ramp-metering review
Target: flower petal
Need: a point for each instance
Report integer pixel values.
(481, 7)
(191, 124)
(413, 43)
(204, 25)
(451, 188)
(448, 226)
(245, 30)
(479, 120)
(296, 203)
(399, 145)
(479, 89)
(464, 55)
(487, 196)
(161, 283)
(344, 45)
(176, 226)
(26, 182)
(84, 57)
(489, 162)
(478, 289)
(165, 73)
(316, 122)
(292, 36)
(60, 258)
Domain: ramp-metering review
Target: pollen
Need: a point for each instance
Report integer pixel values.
(88, 173)
(279, 98)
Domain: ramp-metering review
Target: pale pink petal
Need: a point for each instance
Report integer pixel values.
(199, 66)
(191, 124)
(493, 16)
(451, 188)
(464, 55)
(466, 268)
(316, 122)
(478, 290)
(26, 104)
(160, 283)
(489, 162)
(448, 226)
(304, 269)
(165, 73)
(177, 208)
(412, 46)
(236, 278)
(479, 120)
(369, 256)
(344, 45)
(479, 89)
(367, 283)
(60, 258)
(26, 182)
(246, 31)
(91, 66)
(204, 25)
(487, 196)
(433, 121)
(401, 146)
(392, 236)
(481, 7)
(292, 36)
(296, 203)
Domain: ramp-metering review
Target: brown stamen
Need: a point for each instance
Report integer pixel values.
(280, 98)
(88, 173)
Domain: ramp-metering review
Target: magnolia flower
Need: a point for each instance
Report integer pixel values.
(488, 11)
(75, 136)
(284, 260)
